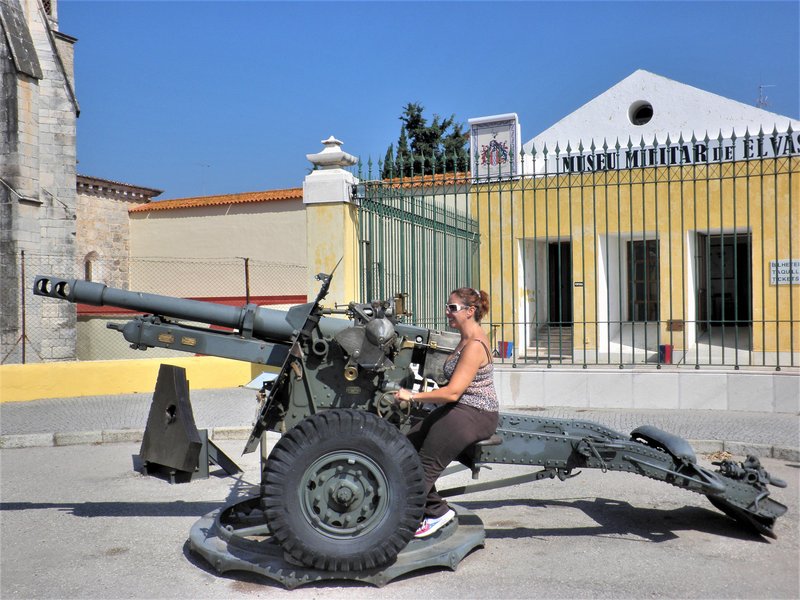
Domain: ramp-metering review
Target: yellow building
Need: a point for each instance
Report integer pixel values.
(611, 265)
(669, 247)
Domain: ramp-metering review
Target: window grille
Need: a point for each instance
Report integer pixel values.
(643, 280)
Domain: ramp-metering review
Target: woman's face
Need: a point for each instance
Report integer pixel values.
(456, 318)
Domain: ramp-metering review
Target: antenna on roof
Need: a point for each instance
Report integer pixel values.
(762, 97)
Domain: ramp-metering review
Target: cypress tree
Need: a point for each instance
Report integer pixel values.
(388, 163)
(403, 159)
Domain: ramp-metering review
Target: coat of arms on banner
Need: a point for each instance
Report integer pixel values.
(494, 146)
(494, 153)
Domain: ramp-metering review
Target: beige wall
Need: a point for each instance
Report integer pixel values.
(272, 231)
(197, 237)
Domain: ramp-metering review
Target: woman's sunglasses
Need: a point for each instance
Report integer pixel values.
(454, 308)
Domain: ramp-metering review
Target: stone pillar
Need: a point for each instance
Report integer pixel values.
(332, 223)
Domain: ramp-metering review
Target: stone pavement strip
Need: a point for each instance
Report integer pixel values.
(229, 414)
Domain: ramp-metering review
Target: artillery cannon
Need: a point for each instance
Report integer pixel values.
(342, 489)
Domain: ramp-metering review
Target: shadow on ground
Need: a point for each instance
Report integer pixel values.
(617, 518)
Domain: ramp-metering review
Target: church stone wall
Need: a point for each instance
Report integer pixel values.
(37, 195)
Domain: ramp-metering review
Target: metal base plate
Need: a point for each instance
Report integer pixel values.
(235, 538)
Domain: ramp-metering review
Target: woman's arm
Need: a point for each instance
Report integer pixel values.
(468, 364)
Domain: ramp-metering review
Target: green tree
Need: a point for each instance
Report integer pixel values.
(422, 148)
(456, 155)
(388, 163)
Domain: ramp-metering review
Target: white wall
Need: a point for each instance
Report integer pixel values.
(677, 109)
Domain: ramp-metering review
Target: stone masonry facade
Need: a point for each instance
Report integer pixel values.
(103, 230)
(38, 115)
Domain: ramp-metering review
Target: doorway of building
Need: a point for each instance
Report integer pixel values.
(725, 289)
(724, 296)
(559, 284)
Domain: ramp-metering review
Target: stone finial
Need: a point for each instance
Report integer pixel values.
(332, 157)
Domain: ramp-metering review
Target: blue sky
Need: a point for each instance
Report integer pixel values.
(200, 98)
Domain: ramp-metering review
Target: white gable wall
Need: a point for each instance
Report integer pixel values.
(678, 109)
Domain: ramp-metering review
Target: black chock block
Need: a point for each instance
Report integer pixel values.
(172, 445)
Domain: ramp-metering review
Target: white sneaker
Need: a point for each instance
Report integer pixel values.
(431, 525)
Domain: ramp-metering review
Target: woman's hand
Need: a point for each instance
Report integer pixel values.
(404, 395)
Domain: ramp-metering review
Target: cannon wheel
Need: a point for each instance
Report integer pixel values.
(343, 490)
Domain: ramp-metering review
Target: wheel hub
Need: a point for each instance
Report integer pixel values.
(344, 494)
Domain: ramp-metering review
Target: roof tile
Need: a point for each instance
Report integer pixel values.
(243, 198)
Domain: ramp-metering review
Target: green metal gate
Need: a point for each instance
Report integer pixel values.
(418, 238)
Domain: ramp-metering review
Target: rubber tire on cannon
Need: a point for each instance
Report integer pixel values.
(343, 490)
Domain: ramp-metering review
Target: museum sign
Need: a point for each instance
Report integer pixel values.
(693, 152)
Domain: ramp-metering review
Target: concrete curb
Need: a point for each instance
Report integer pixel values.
(114, 436)
(27, 440)
(230, 433)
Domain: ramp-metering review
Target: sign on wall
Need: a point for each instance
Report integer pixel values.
(682, 152)
(494, 146)
(784, 272)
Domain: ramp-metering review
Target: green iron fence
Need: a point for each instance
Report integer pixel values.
(663, 252)
(417, 239)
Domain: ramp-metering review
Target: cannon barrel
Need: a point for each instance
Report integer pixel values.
(266, 324)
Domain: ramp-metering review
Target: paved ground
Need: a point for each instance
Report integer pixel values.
(37, 422)
(76, 521)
